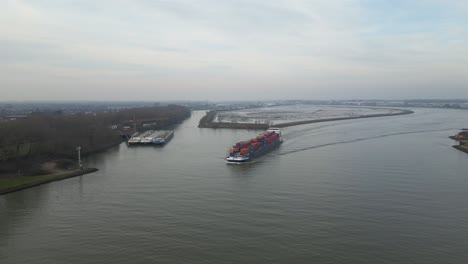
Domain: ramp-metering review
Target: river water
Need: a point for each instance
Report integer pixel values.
(380, 190)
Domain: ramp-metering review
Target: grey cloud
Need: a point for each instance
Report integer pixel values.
(206, 49)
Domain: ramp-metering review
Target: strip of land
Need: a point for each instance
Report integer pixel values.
(462, 138)
(16, 183)
(463, 148)
(207, 121)
(401, 112)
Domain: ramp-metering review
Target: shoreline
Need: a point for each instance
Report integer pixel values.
(461, 148)
(296, 123)
(207, 121)
(25, 182)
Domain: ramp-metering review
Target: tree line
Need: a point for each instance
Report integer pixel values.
(56, 135)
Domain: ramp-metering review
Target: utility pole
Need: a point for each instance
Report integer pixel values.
(79, 157)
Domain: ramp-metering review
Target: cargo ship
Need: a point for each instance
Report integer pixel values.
(151, 137)
(246, 151)
(163, 137)
(137, 138)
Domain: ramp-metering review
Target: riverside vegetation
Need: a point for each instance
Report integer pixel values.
(45, 143)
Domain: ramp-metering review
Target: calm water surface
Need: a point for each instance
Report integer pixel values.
(386, 190)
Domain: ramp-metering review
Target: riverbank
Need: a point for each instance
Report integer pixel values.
(463, 148)
(16, 183)
(462, 138)
(402, 112)
(207, 121)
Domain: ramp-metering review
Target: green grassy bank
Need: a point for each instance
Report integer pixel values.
(16, 183)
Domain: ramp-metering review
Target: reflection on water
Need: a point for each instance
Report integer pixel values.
(384, 190)
(19, 211)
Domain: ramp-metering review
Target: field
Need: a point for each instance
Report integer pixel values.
(286, 114)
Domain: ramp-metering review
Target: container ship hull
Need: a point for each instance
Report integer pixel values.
(246, 151)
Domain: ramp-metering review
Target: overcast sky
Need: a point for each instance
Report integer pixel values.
(233, 49)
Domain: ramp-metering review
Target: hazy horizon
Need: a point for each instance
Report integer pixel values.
(65, 101)
(233, 50)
